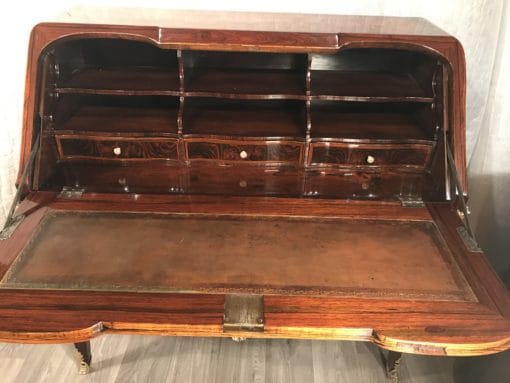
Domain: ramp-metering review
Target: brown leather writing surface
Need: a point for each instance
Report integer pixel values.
(136, 252)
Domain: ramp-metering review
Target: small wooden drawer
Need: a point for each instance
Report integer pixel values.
(246, 179)
(361, 185)
(372, 155)
(117, 148)
(276, 152)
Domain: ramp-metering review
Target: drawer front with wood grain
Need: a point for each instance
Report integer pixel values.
(249, 179)
(362, 185)
(371, 155)
(275, 152)
(115, 148)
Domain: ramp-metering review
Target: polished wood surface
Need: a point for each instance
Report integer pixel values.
(399, 324)
(369, 154)
(412, 34)
(303, 160)
(276, 22)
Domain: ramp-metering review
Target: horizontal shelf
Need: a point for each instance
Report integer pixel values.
(248, 84)
(136, 81)
(336, 121)
(244, 118)
(244, 83)
(93, 118)
(366, 86)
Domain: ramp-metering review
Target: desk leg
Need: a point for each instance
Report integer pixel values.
(85, 357)
(392, 363)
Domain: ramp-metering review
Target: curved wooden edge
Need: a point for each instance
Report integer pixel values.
(73, 336)
(493, 344)
(443, 348)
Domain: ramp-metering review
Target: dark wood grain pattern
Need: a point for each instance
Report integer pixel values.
(369, 154)
(364, 185)
(213, 178)
(240, 151)
(251, 179)
(113, 148)
(261, 153)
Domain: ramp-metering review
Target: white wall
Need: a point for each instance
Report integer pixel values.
(479, 24)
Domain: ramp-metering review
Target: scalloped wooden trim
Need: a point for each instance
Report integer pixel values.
(215, 330)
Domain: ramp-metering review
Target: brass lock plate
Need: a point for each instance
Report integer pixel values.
(243, 312)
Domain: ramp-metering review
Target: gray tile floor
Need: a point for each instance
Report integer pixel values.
(123, 358)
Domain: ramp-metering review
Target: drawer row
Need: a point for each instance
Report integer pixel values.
(274, 152)
(210, 178)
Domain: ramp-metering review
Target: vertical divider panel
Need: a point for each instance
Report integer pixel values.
(309, 75)
(308, 122)
(180, 61)
(180, 113)
(308, 109)
(180, 116)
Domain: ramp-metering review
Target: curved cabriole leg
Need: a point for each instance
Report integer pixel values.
(85, 357)
(392, 363)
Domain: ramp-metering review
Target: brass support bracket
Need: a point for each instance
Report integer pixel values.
(12, 222)
(468, 240)
(71, 192)
(465, 232)
(411, 201)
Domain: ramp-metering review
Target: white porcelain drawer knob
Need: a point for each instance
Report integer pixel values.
(243, 154)
(117, 151)
(243, 183)
(370, 159)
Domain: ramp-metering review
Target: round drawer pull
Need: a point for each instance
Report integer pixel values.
(243, 154)
(243, 183)
(117, 151)
(370, 159)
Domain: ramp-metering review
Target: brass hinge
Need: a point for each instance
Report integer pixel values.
(411, 201)
(243, 312)
(468, 240)
(68, 192)
(11, 226)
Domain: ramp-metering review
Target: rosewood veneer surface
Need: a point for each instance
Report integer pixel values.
(302, 158)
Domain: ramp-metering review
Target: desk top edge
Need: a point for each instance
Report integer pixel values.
(251, 21)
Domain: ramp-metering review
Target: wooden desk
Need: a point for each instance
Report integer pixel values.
(295, 176)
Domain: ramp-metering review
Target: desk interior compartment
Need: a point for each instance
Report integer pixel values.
(113, 66)
(367, 74)
(245, 74)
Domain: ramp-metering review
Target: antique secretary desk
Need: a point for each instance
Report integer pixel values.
(247, 175)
